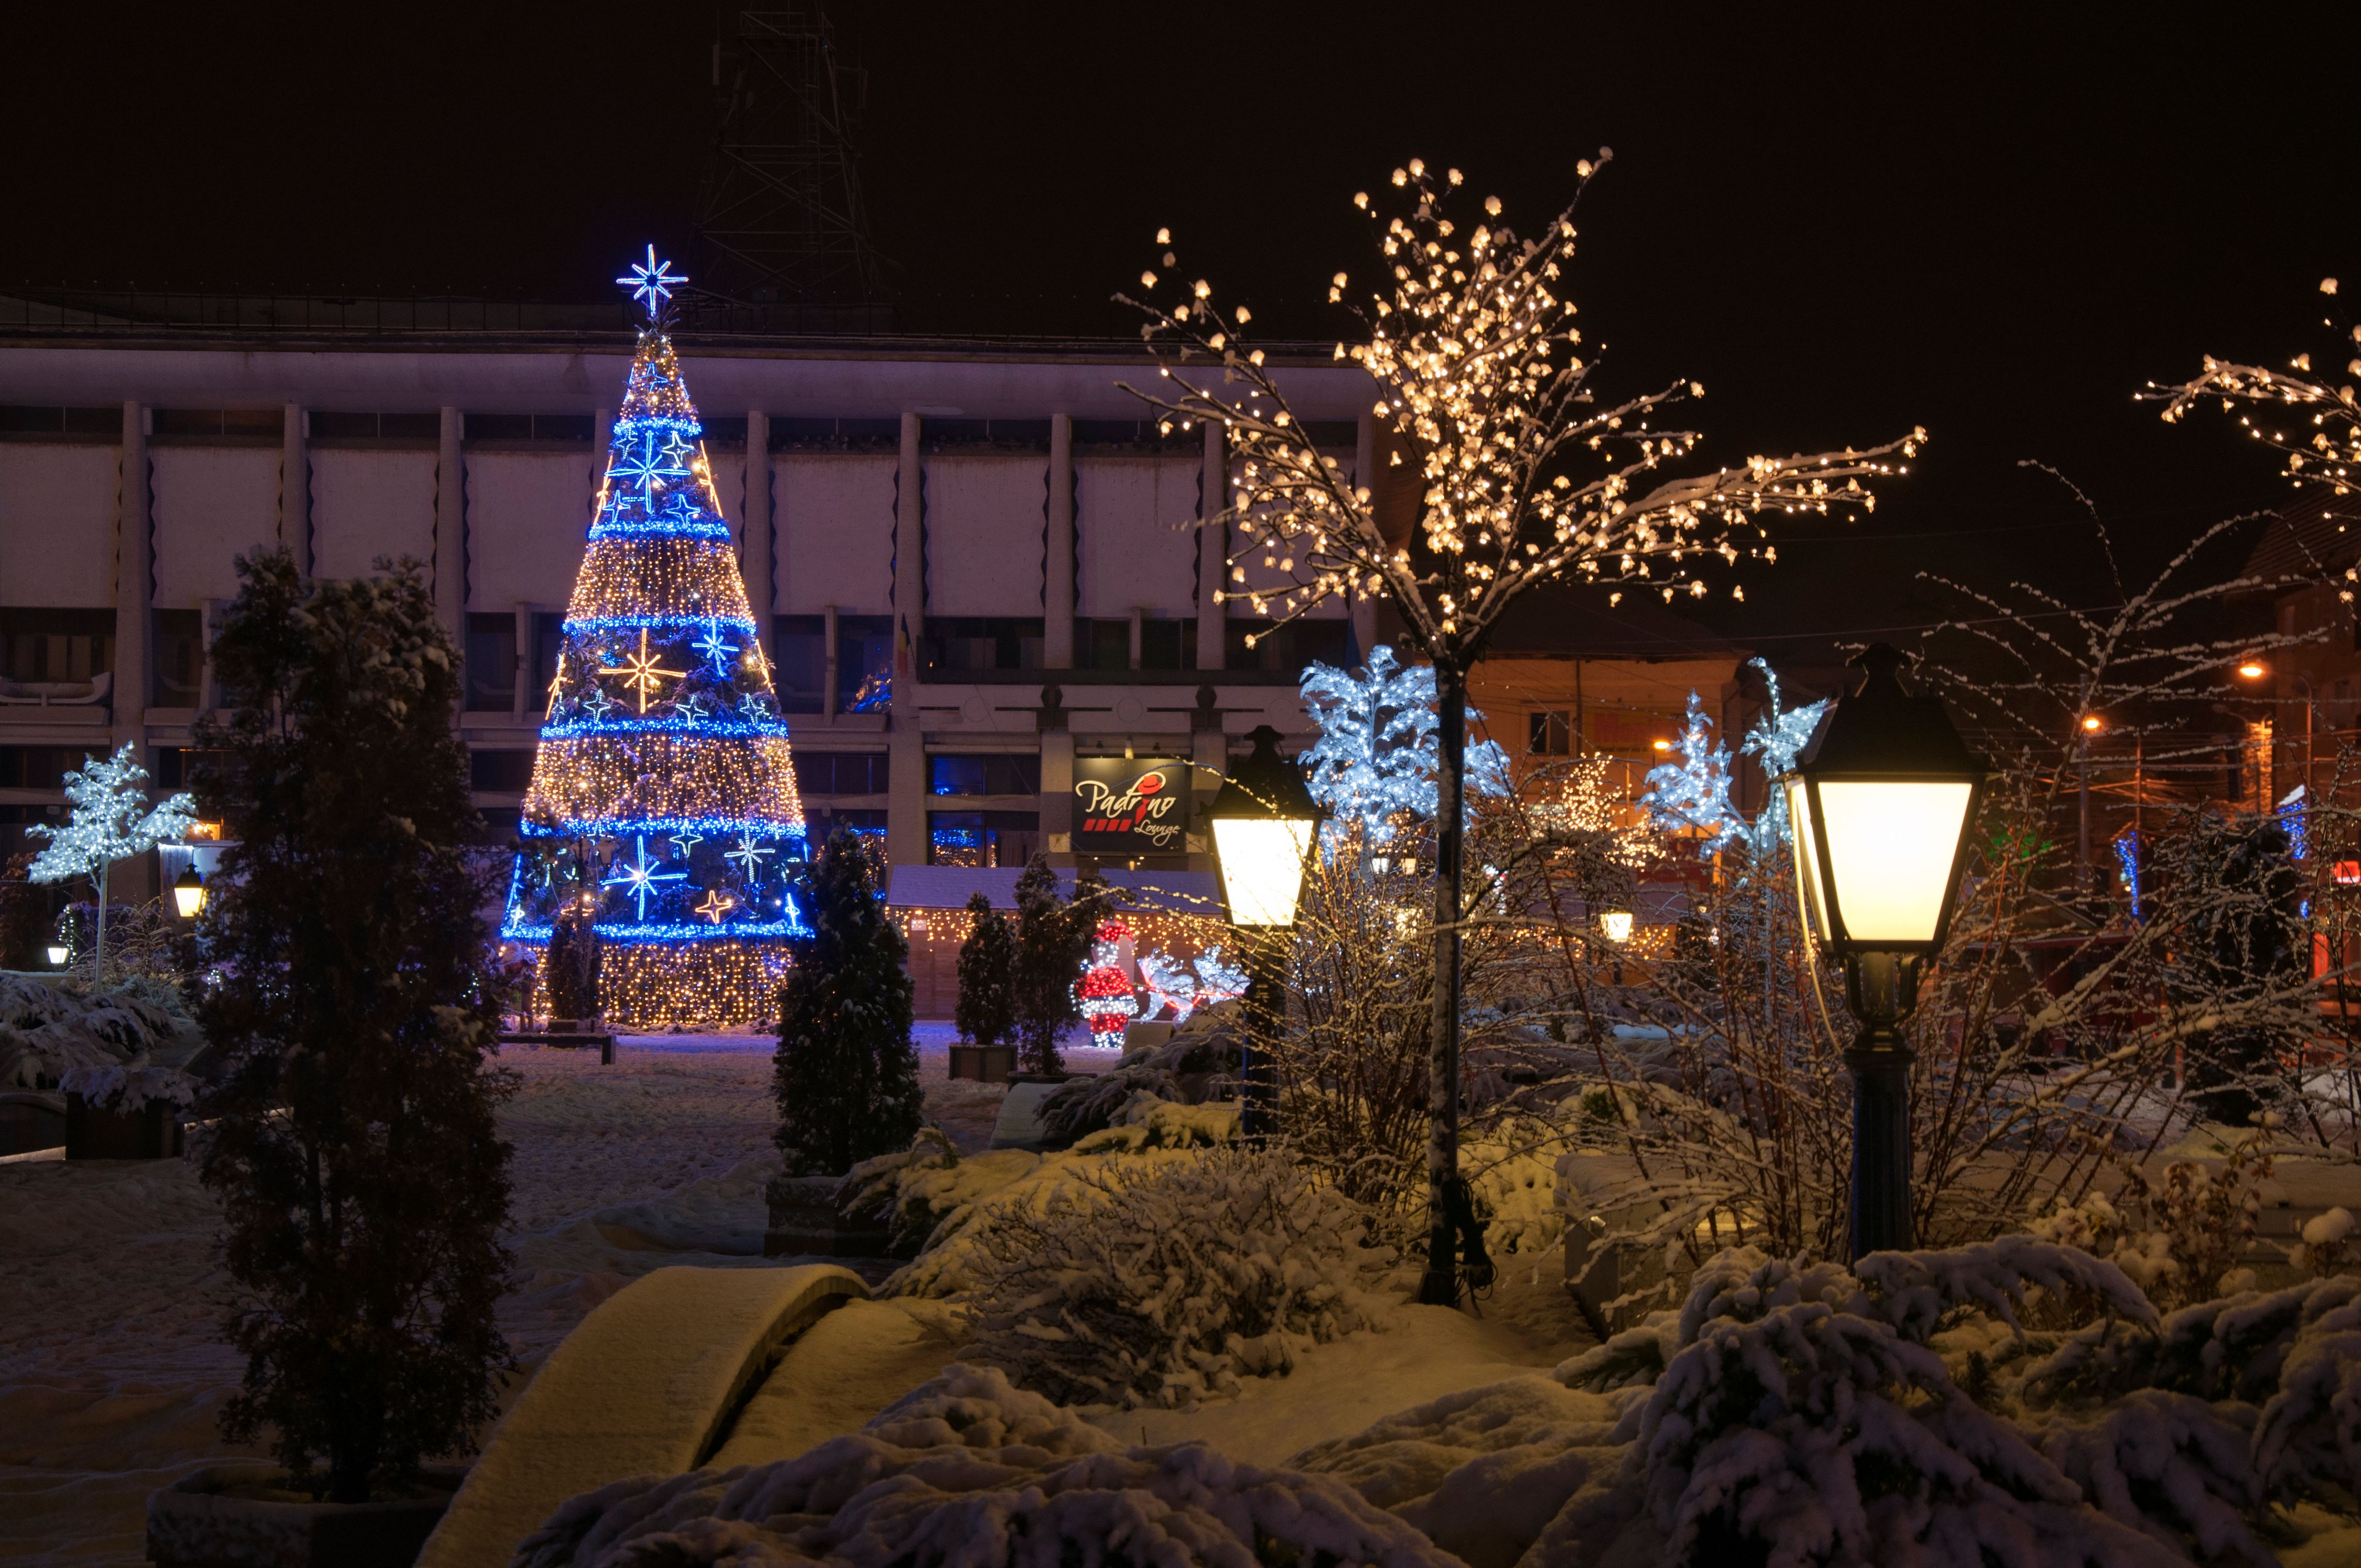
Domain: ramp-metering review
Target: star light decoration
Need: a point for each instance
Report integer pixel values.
(716, 647)
(641, 879)
(749, 856)
(654, 283)
(1484, 383)
(640, 672)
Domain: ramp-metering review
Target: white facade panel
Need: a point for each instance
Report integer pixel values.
(835, 521)
(368, 504)
(528, 513)
(984, 523)
(1138, 547)
(57, 524)
(211, 504)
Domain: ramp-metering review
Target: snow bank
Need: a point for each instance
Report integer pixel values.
(969, 1470)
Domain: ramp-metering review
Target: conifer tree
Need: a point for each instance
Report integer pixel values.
(1053, 943)
(363, 1185)
(987, 963)
(847, 1075)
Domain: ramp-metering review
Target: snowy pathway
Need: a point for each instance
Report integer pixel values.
(112, 1369)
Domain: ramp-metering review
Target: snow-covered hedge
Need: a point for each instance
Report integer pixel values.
(1159, 1284)
(967, 1470)
(129, 1087)
(47, 1030)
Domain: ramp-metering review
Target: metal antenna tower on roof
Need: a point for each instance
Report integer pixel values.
(781, 217)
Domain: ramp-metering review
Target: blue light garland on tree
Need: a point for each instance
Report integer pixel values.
(663, 793)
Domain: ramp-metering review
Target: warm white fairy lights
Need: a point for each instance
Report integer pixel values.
(1484, 380)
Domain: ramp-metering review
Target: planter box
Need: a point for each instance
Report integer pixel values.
(984, 1064)
(804, 1221)
(152, 1132)
(31, 1120)
(239, 1516)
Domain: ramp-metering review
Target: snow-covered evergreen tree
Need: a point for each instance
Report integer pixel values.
(1375, 761)
(986, 1011)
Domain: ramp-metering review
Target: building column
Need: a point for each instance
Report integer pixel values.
(1209, 749)
(1139, 628)
(135, 579)
(451, 529)
(1364, 606)
(295, 490)
(905, 800)
(602, 441)
(1213, 551)
(906, 794)
(1057, 560)
(1058, 795)
(758, 561)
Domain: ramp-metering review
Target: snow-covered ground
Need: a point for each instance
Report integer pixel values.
(112, 1369)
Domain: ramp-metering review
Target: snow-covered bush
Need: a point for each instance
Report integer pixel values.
(1159, 1284)
(2326, 1245)
(49, 1030)
(1197, 1061)
(967, 1470)
(129, 1087)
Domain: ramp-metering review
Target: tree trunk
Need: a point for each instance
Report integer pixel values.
(1440, 1284)
(98, 952)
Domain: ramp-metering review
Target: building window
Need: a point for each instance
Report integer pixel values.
(960, 644)
(548, 643)
(799, 664)
(977, 838)
(180, 658)
(56, 644)
(989, 772)
(528, 427)
(1167, 644)
(840, 773)
(1102, 644)
(864, 664)
(42, 767)
(1287, 649)
(508, 772)
(491, 663)
(1549, 732)
(19, 418)
(330, 425)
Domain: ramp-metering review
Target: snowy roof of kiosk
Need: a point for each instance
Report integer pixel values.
(948, 887)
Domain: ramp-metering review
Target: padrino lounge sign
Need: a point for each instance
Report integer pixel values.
(1125, 806)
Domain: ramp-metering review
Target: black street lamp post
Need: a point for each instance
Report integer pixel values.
(1264, 823)
(1882, 798)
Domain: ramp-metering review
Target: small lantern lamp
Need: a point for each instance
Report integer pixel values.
(1265, 823)
(189, 894)
(1882, 798)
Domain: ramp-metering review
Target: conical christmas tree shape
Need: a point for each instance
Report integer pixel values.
(663, 796)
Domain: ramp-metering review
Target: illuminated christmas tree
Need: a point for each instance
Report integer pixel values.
(1106, 994)
(662, 797)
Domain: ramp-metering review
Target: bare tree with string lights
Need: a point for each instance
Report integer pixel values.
(1483, 384)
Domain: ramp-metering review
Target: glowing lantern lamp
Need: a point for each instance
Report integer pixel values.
(189, 894)
(1265, 823)
(59, 954)
(1883, 797)
(1616, 925)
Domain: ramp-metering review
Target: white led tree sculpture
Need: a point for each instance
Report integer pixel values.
(1521, 473)
(1374, 763)
(111, 820)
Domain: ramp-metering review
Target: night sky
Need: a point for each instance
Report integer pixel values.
(1997, 225)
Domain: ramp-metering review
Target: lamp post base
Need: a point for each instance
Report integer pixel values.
(1881, 1147)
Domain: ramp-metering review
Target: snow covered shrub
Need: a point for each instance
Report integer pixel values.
(49, 1029)
(2311, 1427)
(1483, 1471)
(1198, 1061)
(2228, 1349)
(968, 1470)
(2174, 1467)
(2180, 1240)
(129, 1087)
(1159, 1284)
(2327, 1246)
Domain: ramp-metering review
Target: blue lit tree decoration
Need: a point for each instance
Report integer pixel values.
(1374, 763)
(1692, 796)
(663, 793)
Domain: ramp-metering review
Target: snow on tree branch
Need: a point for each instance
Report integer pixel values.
(111, 820)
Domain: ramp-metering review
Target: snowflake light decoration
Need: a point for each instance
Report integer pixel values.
(653, 284)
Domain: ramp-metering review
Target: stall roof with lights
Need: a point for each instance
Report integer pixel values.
(950, 887)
